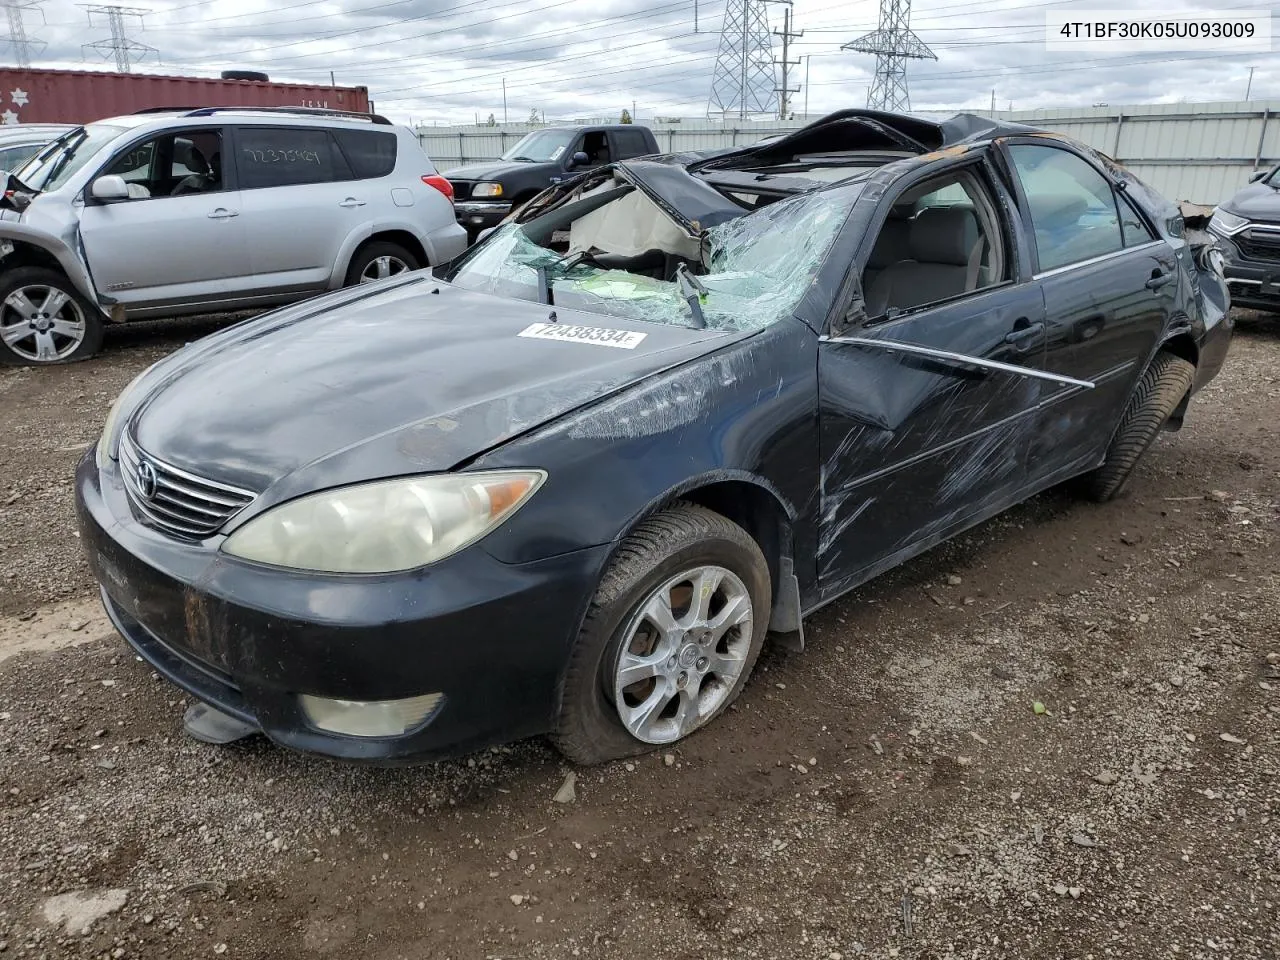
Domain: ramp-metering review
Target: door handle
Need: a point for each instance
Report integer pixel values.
(1024, 338)
(1159, 279)
(222, 213)
(351, 202)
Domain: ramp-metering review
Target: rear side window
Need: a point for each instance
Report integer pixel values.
(371, 153)
(630, 143)
(287, 156)
(1073, 208)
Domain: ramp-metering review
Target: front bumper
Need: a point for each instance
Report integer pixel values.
(1252, 282)
(492, 637)
(478, 215)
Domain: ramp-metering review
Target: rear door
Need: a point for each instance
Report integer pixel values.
(178, 239)
(300, 201)
(1109, 286)
(915, 447)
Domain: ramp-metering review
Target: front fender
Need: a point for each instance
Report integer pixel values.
(67, 251)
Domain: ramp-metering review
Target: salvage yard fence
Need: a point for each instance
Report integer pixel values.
(1197, 152)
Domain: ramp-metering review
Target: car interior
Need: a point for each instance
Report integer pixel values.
(940, 240)
(172, 165)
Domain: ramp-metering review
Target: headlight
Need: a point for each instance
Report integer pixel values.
(386, 526)
(1225, 224)
(487, 190)
(107, 443)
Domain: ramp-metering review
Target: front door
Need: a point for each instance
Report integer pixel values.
(1109, 287)
(915, 448)
(178, 239)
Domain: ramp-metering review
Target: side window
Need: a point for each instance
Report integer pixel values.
(630, 143)
(171, 165)
(940, 240)
(1134, 229)
(371, 153)
(287, 156)
(11, 158)
(1072, 206)
(596, 146)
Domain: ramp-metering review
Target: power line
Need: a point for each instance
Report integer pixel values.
(17, 38)
(787, 34)
(743, 78)
(894, 44)
(119, 45)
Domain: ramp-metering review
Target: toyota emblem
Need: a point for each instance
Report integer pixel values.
(146, 475)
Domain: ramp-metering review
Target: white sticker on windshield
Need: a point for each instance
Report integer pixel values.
(600, 336)
(555, 154)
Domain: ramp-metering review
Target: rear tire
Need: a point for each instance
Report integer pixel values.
(44, 320)
(696, 667)
(378, 261)
(1162, 387)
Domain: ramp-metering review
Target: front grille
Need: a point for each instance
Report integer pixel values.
(1259, 244)
(461, 189)
(173, 500)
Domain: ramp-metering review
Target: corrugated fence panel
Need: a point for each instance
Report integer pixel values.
(1202, 152)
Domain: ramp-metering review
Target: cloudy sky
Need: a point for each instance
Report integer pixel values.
(443, 61)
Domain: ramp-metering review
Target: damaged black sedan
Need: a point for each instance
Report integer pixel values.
(567, 484)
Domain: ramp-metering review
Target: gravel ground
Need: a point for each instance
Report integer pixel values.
(1058, 737)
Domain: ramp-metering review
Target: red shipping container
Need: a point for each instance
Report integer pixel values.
(81, 96)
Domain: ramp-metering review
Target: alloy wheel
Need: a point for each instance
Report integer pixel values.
(42, 323)
(379, 268)
(682, 654)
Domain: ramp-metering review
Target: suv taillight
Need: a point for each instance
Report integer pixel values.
(440, 183)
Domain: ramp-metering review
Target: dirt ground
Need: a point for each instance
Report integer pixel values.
(892, 792)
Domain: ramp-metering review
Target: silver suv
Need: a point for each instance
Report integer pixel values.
(161, 214)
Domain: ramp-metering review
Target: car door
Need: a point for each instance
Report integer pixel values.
(1110, 287)
(916, 445)
(178, 238)
(300, 203)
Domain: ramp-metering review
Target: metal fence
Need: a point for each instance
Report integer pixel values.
(1199, 152)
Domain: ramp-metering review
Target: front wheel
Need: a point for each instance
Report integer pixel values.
(44, 319)
(670, 638)
(378, 261)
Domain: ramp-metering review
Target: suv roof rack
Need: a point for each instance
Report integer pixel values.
(300, 111)
(162, 110)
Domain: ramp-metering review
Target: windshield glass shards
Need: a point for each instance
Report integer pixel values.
(744, 274)
(54, 165)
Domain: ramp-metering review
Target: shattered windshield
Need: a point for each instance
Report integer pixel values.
(542, 146)
(54, 165)
(752, 272)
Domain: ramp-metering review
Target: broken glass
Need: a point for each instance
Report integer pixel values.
(757, 268)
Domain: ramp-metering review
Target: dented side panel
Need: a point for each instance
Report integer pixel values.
(911, 446)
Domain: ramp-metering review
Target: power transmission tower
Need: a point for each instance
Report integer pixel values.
(784, 92)
(125, 51)
(17, 37)
(743, 81)
(894, 44)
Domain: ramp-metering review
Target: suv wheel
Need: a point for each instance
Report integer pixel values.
(43, 319)
(377, 261)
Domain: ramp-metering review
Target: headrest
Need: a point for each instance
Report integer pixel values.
(892, 245)
(943, 235)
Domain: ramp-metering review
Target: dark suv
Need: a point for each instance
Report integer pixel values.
(484, 193)
(1248, 230)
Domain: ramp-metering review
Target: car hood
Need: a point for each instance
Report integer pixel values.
(490, 171)
(401, 381)
(1257, 201)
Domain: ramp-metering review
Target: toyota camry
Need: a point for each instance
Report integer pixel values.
(570, 483)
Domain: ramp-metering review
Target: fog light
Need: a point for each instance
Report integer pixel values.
(368, 718)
